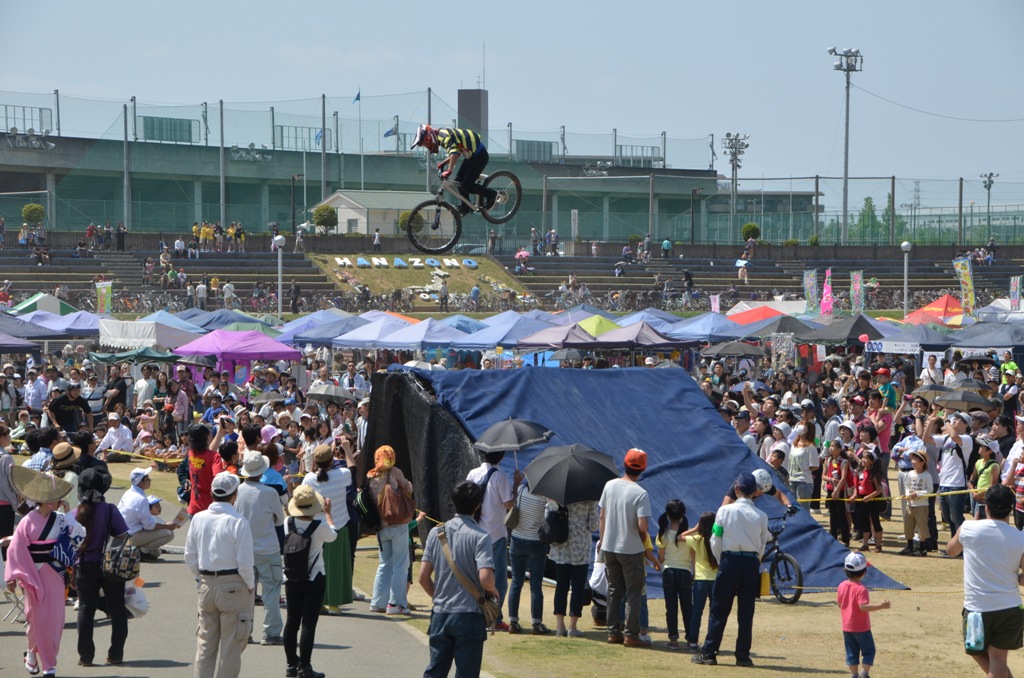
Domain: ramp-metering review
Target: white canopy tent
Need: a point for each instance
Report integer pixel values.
(793, 308)
(140, 334)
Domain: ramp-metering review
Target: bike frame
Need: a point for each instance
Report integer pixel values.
(451, 186)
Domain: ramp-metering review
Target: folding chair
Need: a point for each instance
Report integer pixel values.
(17, 611)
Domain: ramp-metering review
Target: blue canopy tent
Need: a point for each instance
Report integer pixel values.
(558, 336)
(923, 336)
(710, 327)
(501, 318)
(369, 336)
(310, 322)
(191, 314)
(426, 334)
(219, 319)
(639, 335)
(77, 324)
(23, 329)
(693, 457)
(9, 344)
(463, 323)
(322, 335)
(538, 314)
(588, 310)
(780, 324)
(648, 315)
(505, 335)
(171, 320)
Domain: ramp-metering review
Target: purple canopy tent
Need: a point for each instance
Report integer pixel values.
(239, 347)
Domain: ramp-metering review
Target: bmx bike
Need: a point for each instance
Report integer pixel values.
(435, 226)
(784, 573)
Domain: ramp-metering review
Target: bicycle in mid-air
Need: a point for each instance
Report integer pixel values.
(435, 226)
(784, 573)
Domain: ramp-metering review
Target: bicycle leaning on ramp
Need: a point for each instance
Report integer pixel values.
(435, 226)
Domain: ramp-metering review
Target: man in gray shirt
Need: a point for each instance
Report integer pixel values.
(261, 506)
(625, 508)
(457, 631)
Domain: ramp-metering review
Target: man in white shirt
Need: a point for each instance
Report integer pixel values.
(201, 294)
(35, 392)
(117, 438)
(147, 533)
(354, 381)
(219, 553)
(179, 248)
(955, 448)
(260, 505)
(144, 388)
(497, 501)
(931, 375)
(993, 558)
(228, 290)
(741, 422)
(738, 539)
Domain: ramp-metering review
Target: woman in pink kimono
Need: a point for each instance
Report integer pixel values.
(29, 565)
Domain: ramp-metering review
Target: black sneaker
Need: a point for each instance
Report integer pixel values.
(745, 663)
(489, 200)
(701, 658)
(463, 209)
(514, 628)
(291, 672)
(540, 630)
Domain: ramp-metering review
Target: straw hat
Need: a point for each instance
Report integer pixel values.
(38, 487)
(323, 454)
(305, 501)
(64, 456)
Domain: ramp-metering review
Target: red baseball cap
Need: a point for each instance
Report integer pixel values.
(883, 370)
(636, 460)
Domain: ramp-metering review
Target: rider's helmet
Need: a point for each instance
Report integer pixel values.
(426, 136)
(763, 479)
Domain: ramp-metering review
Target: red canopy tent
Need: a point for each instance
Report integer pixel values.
(940, 311)
(755, 315)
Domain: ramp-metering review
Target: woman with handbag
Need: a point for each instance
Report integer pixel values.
(30, 565)
(396, 508)
(102, 521)
(332, 479)
(572, 560)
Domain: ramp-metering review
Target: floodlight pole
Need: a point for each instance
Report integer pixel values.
(987, 184)
(906, 247)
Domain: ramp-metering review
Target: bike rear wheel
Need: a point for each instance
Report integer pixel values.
(510, 195)
(434, 227)
(787, 579)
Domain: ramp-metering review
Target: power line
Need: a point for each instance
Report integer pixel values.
(936, 115)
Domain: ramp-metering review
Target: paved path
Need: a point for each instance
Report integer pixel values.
(163, 642)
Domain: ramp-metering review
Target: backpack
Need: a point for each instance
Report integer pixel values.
(366, 507)
(555, 528)
(296, 551)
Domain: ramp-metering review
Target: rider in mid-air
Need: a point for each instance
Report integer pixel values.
(470, 146)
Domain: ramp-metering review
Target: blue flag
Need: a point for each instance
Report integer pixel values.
(319, 136)
(358, 96)
(391, 132)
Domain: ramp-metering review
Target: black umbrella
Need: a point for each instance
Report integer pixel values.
(566, 354)
(269, 397)
(980, 358)
(733, 348)
(963, 401)
(932, 390)
(973, 385)
(512, 434)
(329, 393)
(570, 473)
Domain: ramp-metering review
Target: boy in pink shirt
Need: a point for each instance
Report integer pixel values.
(854, 607)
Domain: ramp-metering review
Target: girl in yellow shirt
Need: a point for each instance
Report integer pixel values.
(676, 559)
(705, 570)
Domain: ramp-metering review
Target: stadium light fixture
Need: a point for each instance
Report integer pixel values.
(850, 61)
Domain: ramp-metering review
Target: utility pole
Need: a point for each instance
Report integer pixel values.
(987, 184)
(850, 61)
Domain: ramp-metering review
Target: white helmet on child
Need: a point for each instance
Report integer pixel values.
(763, 479)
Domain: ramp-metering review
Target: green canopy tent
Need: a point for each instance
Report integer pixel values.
(258, 327)
(44, 302)
(139, 355)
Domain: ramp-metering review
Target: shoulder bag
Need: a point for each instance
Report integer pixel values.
(512, 518)
(489, 608)
(395, 506)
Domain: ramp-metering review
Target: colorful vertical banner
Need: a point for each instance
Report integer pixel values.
(856, 291)
(962, 266)
(811, 292)
(716, 303)
(103, 302)
(1015, 293)
(826, 295)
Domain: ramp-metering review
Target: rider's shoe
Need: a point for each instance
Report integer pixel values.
(489, 200)
(463, 210)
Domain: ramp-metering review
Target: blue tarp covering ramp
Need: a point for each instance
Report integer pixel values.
(693, 454)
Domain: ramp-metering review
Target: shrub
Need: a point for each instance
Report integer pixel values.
(813, 241)
(750, 230)
(32, 214)
(791, 242)
(403, 220)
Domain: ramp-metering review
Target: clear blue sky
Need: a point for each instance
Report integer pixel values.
(690, 68)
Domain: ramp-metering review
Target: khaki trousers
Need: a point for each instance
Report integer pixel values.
(225, 623)
(916, 516)
(150, 541)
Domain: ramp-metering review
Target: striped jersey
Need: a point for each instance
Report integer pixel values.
(463, 141)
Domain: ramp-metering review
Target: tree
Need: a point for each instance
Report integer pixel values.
(33, 214)
(750, 230)
(901, 223)
(867, 227)
(403, 219)
(325, 217)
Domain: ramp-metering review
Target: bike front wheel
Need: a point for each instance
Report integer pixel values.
(787, 579)
(433, 227)
(509, 196)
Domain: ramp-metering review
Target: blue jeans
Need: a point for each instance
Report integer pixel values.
(702, 592)
(860, 648)
(499, 554)
(389, 584)
(952, 508)
(528, 556)
(457, 637)
(802, 490)
(677, 585)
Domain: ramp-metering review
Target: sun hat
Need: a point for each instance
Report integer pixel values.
(113, 416)
(224, 485)
(364, 401)
(93, 481)
(963, 416)
(323, 454)
(855, 562)
(38, 487)
(64, 455)
(254, 464)
(649, 361)
(268, 432)
(138, 473)
(239, 409)
(305, 501)
(636, 460)
(786, 429)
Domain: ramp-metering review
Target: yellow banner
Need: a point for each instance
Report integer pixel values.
(962, 266)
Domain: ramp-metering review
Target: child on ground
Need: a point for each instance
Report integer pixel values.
(676, 561)
(869, 486)
(918, 482)
(705, 570)
(985, 475)
(855, 607)
(838, 477)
